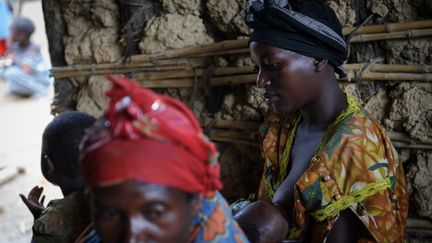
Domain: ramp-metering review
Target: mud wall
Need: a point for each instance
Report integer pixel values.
(93, 34)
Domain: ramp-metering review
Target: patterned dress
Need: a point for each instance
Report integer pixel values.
(213, 224)
(356, 167)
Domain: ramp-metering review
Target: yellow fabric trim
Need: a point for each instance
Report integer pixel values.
(283, 163)
(346, 201)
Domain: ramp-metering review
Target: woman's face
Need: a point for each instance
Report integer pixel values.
(136, 212)
(288, 78)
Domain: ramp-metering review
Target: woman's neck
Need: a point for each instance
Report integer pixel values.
(322, 111)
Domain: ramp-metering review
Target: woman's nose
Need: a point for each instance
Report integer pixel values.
(262, 80)
(137, 229)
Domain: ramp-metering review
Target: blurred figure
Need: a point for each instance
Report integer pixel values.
(63, 219)
(25, 73)
(152, 174)
(5, 19)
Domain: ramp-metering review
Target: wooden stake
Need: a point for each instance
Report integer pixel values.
(191, 51)
(371, 76)
(407, 34)
(420, 68)
(422, 24)
(150, 75)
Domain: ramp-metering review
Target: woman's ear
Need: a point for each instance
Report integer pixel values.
(319, 64)
(49, 165)
(196, 203)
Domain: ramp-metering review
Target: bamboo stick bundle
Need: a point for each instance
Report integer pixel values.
(232, 137)
(224, 71)
(191, 51)
(401, 137)
(250, 79)
(412, 146)
(413, 68)
(62, 71)
(422, 24)
(188, 82)
(192, 73)
(187, 71)
(80, 73)
(419, 223)
(372, 76)
(420, 233)
(246, 130)
(233, 47)
(407, 34)
(228, 124)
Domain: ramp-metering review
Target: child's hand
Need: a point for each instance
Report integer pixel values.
(33, 203)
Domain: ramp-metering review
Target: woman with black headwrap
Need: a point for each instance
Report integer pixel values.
(329, 165)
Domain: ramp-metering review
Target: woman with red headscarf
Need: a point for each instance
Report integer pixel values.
(153, 175)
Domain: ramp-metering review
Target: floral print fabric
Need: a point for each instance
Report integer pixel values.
(357, 168)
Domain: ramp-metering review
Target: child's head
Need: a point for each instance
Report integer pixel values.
(262, 221)
(60, 150)
(21, 30)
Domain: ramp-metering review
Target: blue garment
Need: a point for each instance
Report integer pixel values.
(5, 20)
(34, 81)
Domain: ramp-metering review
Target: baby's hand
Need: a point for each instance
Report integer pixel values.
(33, 203)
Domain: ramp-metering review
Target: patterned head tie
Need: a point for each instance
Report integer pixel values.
(151, 138)
(307, 27)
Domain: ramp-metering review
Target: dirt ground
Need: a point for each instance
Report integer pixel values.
(21, 125)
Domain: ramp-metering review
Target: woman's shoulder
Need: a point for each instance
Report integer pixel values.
(358, 131)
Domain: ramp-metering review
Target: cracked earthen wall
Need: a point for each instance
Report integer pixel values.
(92, 35)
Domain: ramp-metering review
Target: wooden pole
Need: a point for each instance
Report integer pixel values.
(247, 130)
(372, 76)
(422, 24)
(192, 73)
(419, 223)
(420, 68)
(188, 82)
(407, 34)
(191, 51)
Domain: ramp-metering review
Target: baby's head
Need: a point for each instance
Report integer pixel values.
(60, 150)
(21, 30)
(262, 221)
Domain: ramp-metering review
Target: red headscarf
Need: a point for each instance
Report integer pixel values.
(151, 138)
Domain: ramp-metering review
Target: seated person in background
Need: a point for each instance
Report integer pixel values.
(262, 222)
(5, 19)
(329, 164)
(153, 174)
(26, 74)
(63, 219)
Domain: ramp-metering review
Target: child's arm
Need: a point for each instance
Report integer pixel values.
(33, 203)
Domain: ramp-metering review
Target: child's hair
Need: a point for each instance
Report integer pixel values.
(23, 25)
(61, 139)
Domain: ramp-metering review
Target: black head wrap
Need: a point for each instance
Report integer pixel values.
(307, 27)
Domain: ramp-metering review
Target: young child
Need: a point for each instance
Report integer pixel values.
(26, 75)
(63, 219)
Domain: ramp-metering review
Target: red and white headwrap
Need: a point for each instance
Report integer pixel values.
(151, 138)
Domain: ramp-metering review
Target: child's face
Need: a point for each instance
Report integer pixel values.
(18, 36)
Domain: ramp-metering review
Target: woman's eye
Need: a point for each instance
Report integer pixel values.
(272, 66)
(155, 212)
